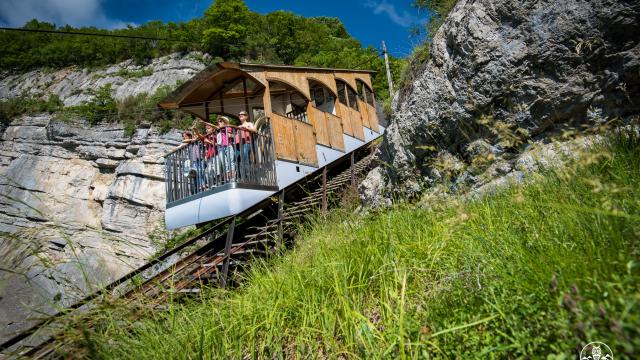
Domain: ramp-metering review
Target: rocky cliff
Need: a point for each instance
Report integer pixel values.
(74, 86)
(77, 202)
(501, 74)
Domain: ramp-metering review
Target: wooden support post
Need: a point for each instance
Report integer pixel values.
(246, 99)
(324, 190)
(280, 242)
(227, 253)
(353, 175)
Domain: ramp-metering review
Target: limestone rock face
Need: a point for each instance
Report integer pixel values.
(504, 71)
(74, 86)
(77, 206)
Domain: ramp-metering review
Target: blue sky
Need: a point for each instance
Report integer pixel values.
(370, 21)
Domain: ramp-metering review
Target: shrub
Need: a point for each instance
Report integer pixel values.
(101, 108)
(26, 105)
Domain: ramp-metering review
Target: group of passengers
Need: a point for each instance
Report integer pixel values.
(215, 156)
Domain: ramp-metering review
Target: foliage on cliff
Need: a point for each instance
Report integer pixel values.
(24, 104)
(439, 9)
(130, 111)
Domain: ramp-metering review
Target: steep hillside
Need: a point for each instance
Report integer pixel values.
(502, 73)
(518, 274)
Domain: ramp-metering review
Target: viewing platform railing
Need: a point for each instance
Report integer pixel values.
(228, 155)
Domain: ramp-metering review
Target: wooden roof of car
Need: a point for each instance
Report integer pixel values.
(206, 84)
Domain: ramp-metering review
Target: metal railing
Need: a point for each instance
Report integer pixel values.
(227, 155)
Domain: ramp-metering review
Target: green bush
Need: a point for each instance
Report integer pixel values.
(134, 74)
(142, 108)
(10, 109)
(101, 108)
(131, 111)
(439, 8)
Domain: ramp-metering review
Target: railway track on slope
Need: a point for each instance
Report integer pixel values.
(220, 251)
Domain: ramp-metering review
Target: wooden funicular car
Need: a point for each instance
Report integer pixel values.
(306, 118)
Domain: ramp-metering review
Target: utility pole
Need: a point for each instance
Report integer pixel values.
(386, 63)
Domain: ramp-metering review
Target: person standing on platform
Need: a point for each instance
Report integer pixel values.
(246, 129)
(224, 143)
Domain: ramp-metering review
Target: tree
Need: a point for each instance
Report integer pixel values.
(226, 28)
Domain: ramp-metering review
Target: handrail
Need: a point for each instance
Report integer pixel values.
(186, 144)
(229, 154)
(176, 149)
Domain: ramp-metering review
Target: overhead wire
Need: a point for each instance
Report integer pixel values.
(58, 32)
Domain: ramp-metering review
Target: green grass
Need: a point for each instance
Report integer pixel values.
(535, 271)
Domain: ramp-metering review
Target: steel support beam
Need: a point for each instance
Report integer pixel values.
(353, 175)
(227, 253)
(324, 190)
(280, 242)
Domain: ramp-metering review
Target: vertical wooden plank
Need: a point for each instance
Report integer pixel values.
(345, 116)
(353, 175)
(334, 127)
(373, 118)
(305, 143)
(246, 98)
(364, 112)
(294, 140)
(284, 137)
(324, 190)
(356, 124)
(319, 123)
(280, 244)
(266, 98)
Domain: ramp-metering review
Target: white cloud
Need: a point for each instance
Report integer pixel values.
(15, 13)
(405, 19)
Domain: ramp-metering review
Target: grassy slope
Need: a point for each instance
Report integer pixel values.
(535, 270)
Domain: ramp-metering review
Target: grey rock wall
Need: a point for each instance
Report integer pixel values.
(502, 72)
(77, 205)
